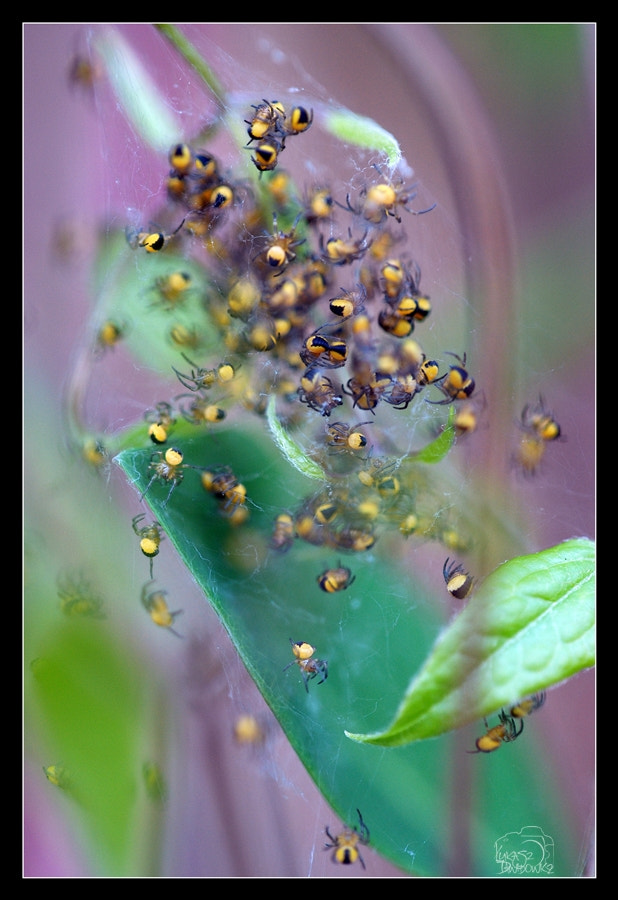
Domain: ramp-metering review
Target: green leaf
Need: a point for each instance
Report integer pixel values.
(436, 450)
(529, 626)
(137, 93)
(195, 59)
(294, 454)
(371, 634)
(363, 132)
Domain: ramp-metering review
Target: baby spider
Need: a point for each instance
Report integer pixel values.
(266, 120)
(457, 384)
(343, 437)
(283, 533)
(203, 379)
(396, 276)
(267, 154)
(181, 158)
(85, 73)
(325, 352)
(279, 251)
(340, 252)
(540, 422)
(402, 391)
(384, 199)
(468, 417)
(540, 428)
(309, 668)
(200, 410)
(528, 456)
(458, 581)
(156, 605)
(150, 537)
(297, 121)
(171, 289)
(108, 335)
(230, 493)
(367, 388)
(219, 481)
(333, 580)
(500, 734)
(249, 730)
(349, 303)
(345, 845)
(427, 371)
(77, 598)
(319, 392)
(181, 336)
(527, 707)
(379, 201)
(94, 453)
(167, 468)
(152, 242)
(160, 420)
(318, 205)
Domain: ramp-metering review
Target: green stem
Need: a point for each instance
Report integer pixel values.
(188, 51)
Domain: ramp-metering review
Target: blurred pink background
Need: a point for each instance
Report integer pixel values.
(542, 132)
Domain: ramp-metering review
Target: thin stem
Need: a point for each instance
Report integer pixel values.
(188, 51)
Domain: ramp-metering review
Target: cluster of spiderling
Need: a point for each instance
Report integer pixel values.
(315, 301)
(269, 126)
(511, 724)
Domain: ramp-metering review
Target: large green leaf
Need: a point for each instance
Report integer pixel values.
(529, 626)
(139, 97)
(374, 635)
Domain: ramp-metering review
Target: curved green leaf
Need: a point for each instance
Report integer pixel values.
(372, 634)
(137, 93)
(529, 626)
(438, 449)
(196, 60)
(363, 132)
(289, 448)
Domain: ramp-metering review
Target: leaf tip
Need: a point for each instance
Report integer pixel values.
(363, 132)
(289, 448)
(365, 738)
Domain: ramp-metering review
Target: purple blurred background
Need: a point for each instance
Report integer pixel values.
(542, 130)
